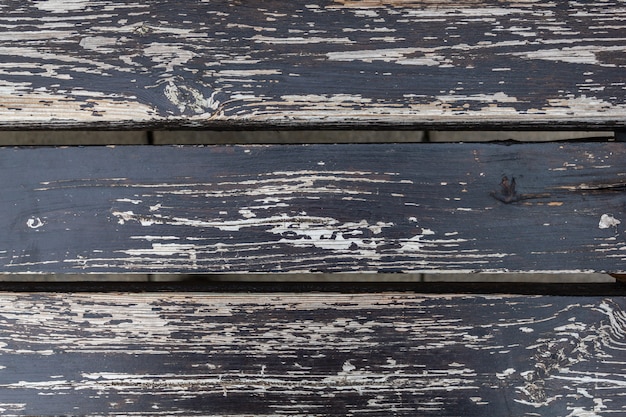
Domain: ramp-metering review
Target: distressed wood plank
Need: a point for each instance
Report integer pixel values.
(315, 208)
(340, 63)
(311, 354)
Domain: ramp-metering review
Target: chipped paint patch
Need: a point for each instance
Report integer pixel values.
(402, 56)
(607, 221)
(331, 234)
(416, 243)
(61, 6)
(34, 223)
(500, 97)
(128, 200)
(186, 98)
(299, 40)
(101, 44)
(168, 56)
(587, 54)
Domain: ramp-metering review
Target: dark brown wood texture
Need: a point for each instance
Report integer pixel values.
(301, 63)
(311, 354)
(315, 208)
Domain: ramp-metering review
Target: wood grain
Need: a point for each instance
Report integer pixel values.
(311, 354)
(315, 208)
(325, 63)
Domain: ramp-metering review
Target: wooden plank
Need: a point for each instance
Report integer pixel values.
(316, 208)
(311, 354)
(400, 63)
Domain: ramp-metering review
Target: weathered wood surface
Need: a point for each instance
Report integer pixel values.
(312, 63)
(316, 208)
(311, 354)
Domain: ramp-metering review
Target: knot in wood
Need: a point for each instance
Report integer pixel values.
(506, 193)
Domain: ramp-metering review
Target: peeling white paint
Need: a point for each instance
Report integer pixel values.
(402, 56)
(189, 98)
(299, 40)
(500, 97)
(188, 251)
(151, 238)
(100, 44)
(61, 6)
(246, 213)
(246, 73)
(168, 56)
(607, 221)
(587, 54)
(128, 200)
(416, 243)
(34, 223)
(506, 373)
(330, 234)
(124, 216)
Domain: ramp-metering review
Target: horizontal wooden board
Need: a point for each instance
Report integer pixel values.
(314, 208)
(311, 354)
(224, 63)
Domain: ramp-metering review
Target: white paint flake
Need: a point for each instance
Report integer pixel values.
(125, 216)
(128, 200)
(100, 44)
(34, 223)
(505, 373)
(584, 54)
(607, 220)
(329, 233)
(61, 6)
(596, 412)
(166, 249)
(416, 243)
(188, 98)
(299, 40)
(500, 97)
(401, 56)
(168, 56)
(348, 367)
(246, 213)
